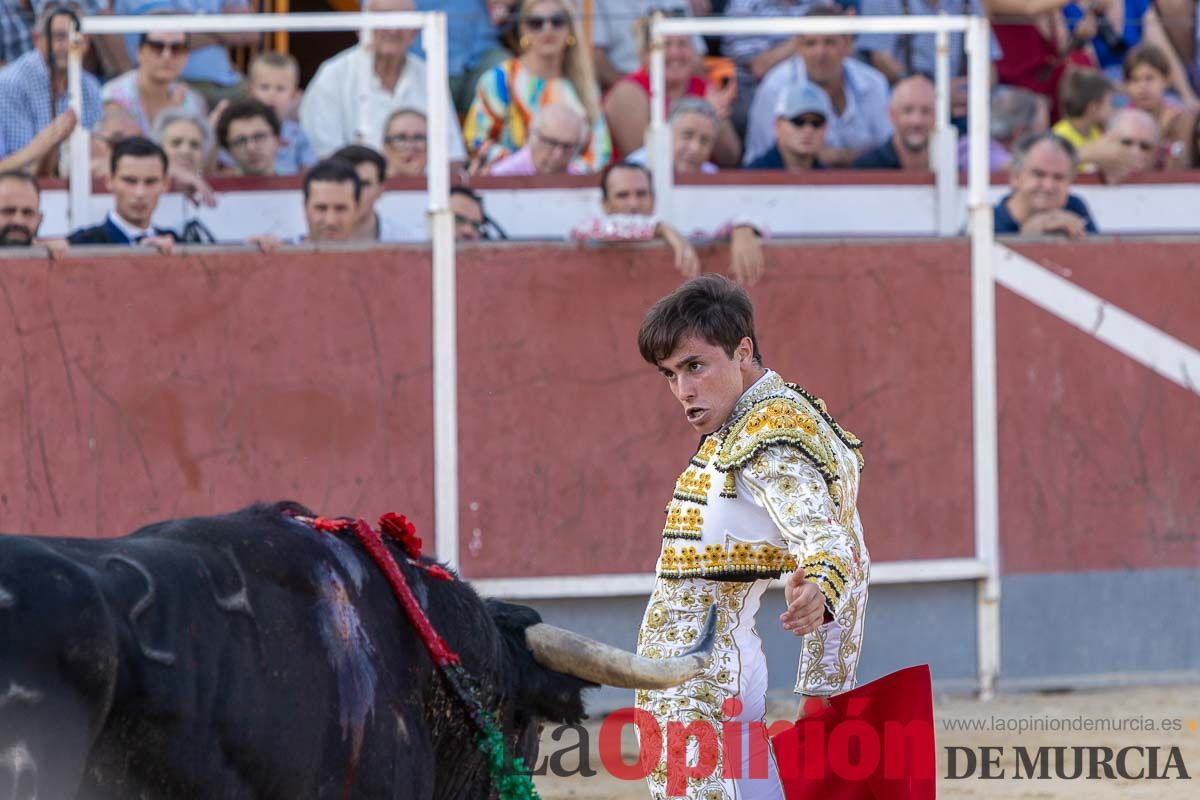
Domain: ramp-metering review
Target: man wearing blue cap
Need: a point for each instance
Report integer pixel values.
(800, 118)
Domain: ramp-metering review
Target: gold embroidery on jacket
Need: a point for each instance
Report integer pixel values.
(682, 522)
(777, 420)
(708, 449)
(693, 486)
(742, 561)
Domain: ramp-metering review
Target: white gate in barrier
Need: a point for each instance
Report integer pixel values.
(441, 220)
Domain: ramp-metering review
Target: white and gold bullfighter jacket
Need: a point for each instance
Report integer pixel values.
(773, 489)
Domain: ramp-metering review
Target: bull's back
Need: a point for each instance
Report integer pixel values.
(236, 656)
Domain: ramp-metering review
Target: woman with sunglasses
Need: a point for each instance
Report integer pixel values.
(154, 86)
(553, 67)
(627, 103)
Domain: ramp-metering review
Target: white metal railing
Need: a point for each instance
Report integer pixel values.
(984, 566)
(943, 148)
(441, 220)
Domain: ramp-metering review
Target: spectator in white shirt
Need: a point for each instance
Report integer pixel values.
(395, 79)
(859, 95)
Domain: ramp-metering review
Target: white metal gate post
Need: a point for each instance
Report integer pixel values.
(445, 311)
(944, 166)
(79, 191)
(661, 153)
(983, 358)
(944, 146)
(433, 26)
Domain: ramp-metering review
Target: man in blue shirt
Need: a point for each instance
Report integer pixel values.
(33, 92)
(800, 119)
(471, 45)
(208, 69)
(1040, 201)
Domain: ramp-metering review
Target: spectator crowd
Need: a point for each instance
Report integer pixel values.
(1106, 87)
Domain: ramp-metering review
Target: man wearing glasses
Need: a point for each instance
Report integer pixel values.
(800, 118)
(558, 133)
(471, 222)
(249, 131)
(34, 117)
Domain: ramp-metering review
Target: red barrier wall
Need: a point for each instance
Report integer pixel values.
(139, 387)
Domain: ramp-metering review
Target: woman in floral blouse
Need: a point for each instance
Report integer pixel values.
(553, 67)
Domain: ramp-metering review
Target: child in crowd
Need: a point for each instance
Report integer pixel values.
(274, 79)
(1085, 98)
(1147, 75)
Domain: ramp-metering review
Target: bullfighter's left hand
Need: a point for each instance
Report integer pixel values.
(805, 604)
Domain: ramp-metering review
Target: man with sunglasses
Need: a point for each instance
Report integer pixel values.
(557, 134)
(154, 86)
(800, 118)
(33, 92)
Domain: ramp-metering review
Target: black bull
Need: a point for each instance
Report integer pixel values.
(248, 655)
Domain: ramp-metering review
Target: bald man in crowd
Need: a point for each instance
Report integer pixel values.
(1136, 132)
(557, 137)
(912, 113)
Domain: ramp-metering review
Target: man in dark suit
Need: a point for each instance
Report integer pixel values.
(137, 178)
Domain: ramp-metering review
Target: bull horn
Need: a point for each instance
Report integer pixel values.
(567, 652)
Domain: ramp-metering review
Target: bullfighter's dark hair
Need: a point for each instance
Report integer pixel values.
(616, 165)
(711, 306)
(246, 108)
(361, 154)
(135, 147)
(333, 170)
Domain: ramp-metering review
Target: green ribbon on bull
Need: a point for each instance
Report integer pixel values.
(510, 777)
